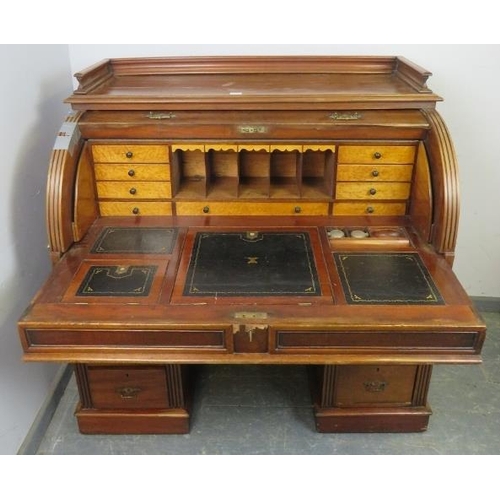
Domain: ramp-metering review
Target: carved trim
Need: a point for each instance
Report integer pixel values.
(175, 387)
(444, 171)
(82, 382)
(421, 387)
(328, 386)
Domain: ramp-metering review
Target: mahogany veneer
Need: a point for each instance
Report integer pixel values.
(253, 210)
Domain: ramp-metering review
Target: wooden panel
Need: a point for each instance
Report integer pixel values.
(85, 204)
(242, 208)
(178, 340)
(310, 341)
(374, 385)
(129, 153)
(421, 196)
(376, 154)
(366, 208)
(374, 173)
(371, 191)
(127, 387)
(109, 208)
(117, 172)
(134, 190)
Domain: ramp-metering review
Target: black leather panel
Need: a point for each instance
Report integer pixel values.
(386, 278)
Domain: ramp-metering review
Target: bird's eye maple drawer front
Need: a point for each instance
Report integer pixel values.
(127, 387)
(373, 179)
(132, 179)
(374, 385)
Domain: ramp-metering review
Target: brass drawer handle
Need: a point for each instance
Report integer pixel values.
(129, 154)
(370, 210)
(206, 210)
(373, 191)
(131, 173)
(375, 173)
(133, 191)
(135, 210)
(297, 210)
(128, 392)
(377, 155)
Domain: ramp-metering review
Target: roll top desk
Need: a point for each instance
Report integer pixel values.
(252, 210)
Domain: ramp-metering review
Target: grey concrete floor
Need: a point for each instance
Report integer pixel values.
(249, 410)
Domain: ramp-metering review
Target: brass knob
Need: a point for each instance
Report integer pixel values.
(131, 173)
(373, 191)
(370, 210)
(129, 154)
(206, 210)
(135, 210)
(377, 155)
(375, 173)
(133, 191)
(297, 210)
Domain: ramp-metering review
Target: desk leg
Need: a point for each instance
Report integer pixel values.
(352, 398)
(129, 399)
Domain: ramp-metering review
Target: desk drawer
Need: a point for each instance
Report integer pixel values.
(374, 385)
(374, 173)
(138, 172)
(134, 190)
(368, 208)
(373, 153)
(110, 208)
(127, 387)
(373, 191)
(243, 208)
(130, 153)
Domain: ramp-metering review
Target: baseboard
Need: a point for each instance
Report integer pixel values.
(39, 427)
(487, 304)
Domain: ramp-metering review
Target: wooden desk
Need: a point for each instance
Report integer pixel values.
(253, 211)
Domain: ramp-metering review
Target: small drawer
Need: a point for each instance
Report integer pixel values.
(127, 387)
(242, 208)
(145, 172)
(374, 385)
(110, 208)
(373, 191)
(366, 208)
(129, 153)
(374, 173)
(131, 190)
(372, 153)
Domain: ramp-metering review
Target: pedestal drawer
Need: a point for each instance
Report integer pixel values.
(127, 387)
(374, 385)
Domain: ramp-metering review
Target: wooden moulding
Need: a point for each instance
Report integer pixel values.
(383, 83)
(60, 185)
(445, 184)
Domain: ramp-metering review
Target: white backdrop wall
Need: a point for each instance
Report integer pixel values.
(35, 79)
(466, 76)
(38, 78)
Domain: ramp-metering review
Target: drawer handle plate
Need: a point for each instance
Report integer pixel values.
(128, 392)
(346, 116)
(375, 386)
